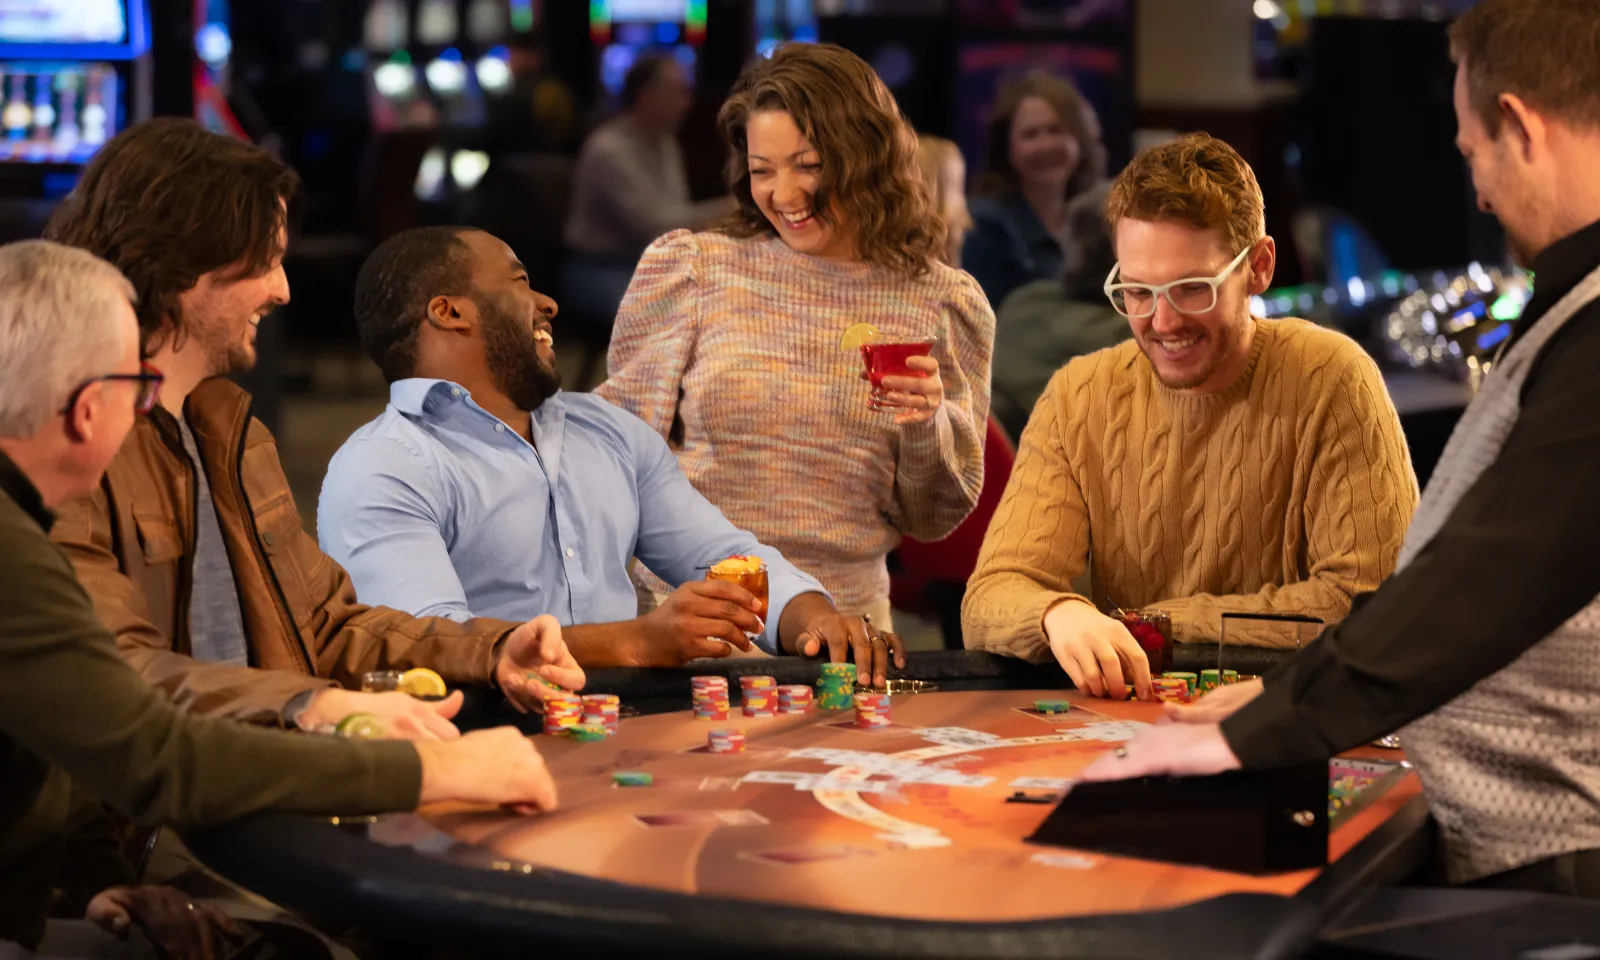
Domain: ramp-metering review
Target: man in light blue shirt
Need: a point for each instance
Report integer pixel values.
(483, 490)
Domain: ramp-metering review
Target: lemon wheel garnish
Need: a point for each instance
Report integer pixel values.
(360, 726)
(422, 682)
(857, 336)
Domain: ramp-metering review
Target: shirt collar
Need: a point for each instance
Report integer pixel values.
(412, 397)
(1561, 266)
(15, 484)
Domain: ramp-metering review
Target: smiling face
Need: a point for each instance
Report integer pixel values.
(1043, 152)
(514, 321)
(785, 176)
(1206, 352)
(222, 311)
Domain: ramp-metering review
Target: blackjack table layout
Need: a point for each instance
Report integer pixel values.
(823, 838)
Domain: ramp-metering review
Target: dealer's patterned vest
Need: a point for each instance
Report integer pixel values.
(1512, 766)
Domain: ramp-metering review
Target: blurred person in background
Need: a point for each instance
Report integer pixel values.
(1044, 149)
(630, 187)
(537, 114)
(1045, 323)
(734, 343)
(943, 168)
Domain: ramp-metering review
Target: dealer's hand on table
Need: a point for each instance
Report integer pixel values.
(184, 929)
(1216, 706)
(1175, 749)
(403, 716)
(536, 649)
(497, 767)
(918, 397)
(818, 626)
(1097, 652)
(702, 618)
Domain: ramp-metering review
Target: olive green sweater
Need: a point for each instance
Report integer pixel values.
(69, 706)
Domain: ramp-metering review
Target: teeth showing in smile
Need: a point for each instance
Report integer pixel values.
(796, 219)
(544, 337)
(1178, 346)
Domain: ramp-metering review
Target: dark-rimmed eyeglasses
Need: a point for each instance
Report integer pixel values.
(148, 378)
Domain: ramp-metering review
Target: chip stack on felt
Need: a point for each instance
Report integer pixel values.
(562, 712)
(794, 698)
(836, 685)
(759, 696)
(725, 741)
(603, 709)
(872, 710)
(710, 696)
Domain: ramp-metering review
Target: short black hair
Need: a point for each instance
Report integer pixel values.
(394, 287)
(644, 72)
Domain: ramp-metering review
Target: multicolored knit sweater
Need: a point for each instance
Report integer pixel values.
(730, 349)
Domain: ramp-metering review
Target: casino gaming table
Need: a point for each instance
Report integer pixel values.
(725, 852)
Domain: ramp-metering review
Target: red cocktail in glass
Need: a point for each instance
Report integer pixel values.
(888, 359)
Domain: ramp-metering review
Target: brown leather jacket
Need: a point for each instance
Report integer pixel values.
(132, 542)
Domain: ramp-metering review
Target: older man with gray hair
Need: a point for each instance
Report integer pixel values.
(71, 386)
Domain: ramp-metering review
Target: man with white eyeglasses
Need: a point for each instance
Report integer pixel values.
(1217, 462)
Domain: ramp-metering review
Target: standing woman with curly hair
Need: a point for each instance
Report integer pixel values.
(729, 340)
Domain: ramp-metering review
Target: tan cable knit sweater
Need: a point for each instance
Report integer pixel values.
(1289, 492)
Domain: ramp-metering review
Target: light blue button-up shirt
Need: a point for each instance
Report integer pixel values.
(439, 509)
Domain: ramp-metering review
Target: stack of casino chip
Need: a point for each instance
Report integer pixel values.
(1172, 689)
(759, 696)
(725, 741)
(603, 709)
(562, 712)
(872, 710)
(836, 686)
(794, 698)
(710, 696)
(1189, 680)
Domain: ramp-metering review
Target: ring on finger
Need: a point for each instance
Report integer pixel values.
(1121, 753)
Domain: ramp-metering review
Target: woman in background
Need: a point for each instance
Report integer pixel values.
(945, 171)
(732, 342)
(1044, 150)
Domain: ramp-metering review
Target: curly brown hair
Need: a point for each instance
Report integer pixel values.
(869, 153)
(1196, 179)
(168, 201)
(1077, 116)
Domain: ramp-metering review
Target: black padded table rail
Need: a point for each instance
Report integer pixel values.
(952, 666)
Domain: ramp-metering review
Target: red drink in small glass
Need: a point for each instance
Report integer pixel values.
(889, 359)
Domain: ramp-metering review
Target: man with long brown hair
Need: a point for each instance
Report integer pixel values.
(1482, 645)
(191, 546)
(1215, 463)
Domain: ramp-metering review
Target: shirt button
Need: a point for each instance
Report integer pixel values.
(569, 551)
(455, 392)
(499, 428)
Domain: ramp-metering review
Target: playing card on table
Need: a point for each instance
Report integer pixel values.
(1041, 783)
(778, 776)
(957, 735)
(1113, 731)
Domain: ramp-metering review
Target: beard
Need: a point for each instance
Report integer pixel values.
(1219, 343)
(227, 350)
(514, 361)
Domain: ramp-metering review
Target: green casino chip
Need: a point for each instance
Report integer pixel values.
(632, 778)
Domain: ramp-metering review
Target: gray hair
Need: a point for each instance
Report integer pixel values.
(56, 307)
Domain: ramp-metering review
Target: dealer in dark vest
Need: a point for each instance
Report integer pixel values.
(1483, 648)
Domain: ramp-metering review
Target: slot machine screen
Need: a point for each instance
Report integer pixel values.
(63, 22)
(65, 76)
(57, 112)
